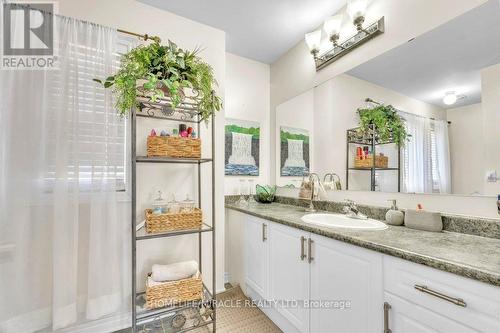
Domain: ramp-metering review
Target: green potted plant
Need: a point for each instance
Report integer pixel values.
(164, 71)
(387, 123)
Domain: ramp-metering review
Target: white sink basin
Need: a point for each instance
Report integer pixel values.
(342, 221)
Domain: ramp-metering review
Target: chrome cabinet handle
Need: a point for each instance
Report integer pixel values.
(264, 236)
(454, 300)
(309, 250)
(387, 307)
(302, 248)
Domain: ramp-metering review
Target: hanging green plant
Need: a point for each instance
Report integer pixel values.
(386, 121)
(168, 71)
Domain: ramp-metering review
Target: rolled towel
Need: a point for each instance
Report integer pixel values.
(174, 272)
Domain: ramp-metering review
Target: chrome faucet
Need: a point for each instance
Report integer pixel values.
(351, 210)
(312, 177)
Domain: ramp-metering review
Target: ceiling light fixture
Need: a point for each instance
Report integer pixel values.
(332, 27)
(451, 97)
(313, 41)
(357, 11)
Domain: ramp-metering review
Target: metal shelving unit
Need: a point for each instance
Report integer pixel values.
(167, 316)
(370, 139)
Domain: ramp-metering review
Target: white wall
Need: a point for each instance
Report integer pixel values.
(490, 89)
(298, 112)
(248, 98)
(137, 17)
(466, 149)
(294, 73)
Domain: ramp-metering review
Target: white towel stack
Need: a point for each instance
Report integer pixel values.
(174, 272)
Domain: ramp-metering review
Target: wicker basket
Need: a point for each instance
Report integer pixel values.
(367, 162)
(170, 222)
(171, 146)
(174, 292)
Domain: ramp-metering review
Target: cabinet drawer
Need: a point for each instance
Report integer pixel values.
(443, 293)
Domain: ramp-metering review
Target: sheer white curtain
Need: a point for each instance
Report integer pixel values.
(426, 157)
(64, 230)
(443, 172)
(417, 163)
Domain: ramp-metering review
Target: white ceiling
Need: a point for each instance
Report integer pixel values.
(262, 30)
(448, 58)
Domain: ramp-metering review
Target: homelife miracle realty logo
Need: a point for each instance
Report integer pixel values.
(28, 35)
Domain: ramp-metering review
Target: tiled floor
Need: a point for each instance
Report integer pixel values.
(236, 319)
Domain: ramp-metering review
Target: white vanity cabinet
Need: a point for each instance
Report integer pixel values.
(257, 254)
(406, 317)
(285, 264)
(352, 276)
(289, 273)
(424, 299)
(309, 269)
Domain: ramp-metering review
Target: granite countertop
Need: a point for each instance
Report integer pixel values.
(470, 256)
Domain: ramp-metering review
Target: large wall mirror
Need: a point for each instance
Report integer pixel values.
(444, 84)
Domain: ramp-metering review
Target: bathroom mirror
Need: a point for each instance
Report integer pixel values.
(444, 84)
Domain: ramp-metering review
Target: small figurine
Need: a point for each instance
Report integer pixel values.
(153, 132)
(163, 133)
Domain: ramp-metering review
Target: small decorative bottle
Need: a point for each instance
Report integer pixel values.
(159, 205)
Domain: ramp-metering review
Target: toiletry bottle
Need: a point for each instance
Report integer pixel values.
(393, 215)
(159, 205)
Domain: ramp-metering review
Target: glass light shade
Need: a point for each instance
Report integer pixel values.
(313, 40)
(332, 25)
(450, 98)
(357, 8)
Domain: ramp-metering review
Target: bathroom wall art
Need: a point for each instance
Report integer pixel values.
(294, 152)
(242, 143)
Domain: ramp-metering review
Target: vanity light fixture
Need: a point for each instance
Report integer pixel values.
(313, 41)
(357, 11)
(451, 97)
(332, 26)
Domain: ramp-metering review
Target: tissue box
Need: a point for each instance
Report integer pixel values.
(423, 220)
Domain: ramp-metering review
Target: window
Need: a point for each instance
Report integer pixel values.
(97, 145)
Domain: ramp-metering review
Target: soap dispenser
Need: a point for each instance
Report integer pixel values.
(393, 215)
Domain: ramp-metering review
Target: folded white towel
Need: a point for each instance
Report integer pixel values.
(174, 272)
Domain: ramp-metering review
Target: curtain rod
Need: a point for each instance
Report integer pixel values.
(369, 100)
(144, 36)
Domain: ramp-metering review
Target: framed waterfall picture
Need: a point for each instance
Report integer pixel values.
(242, 144)
(294, 143)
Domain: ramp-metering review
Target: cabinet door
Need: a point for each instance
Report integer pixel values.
(407, 317)
(257, 255)
(349, 280)
(289, 274)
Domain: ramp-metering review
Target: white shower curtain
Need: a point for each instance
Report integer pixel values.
(443, 175)
(64, 228)
(426, 157)
(417, 172)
